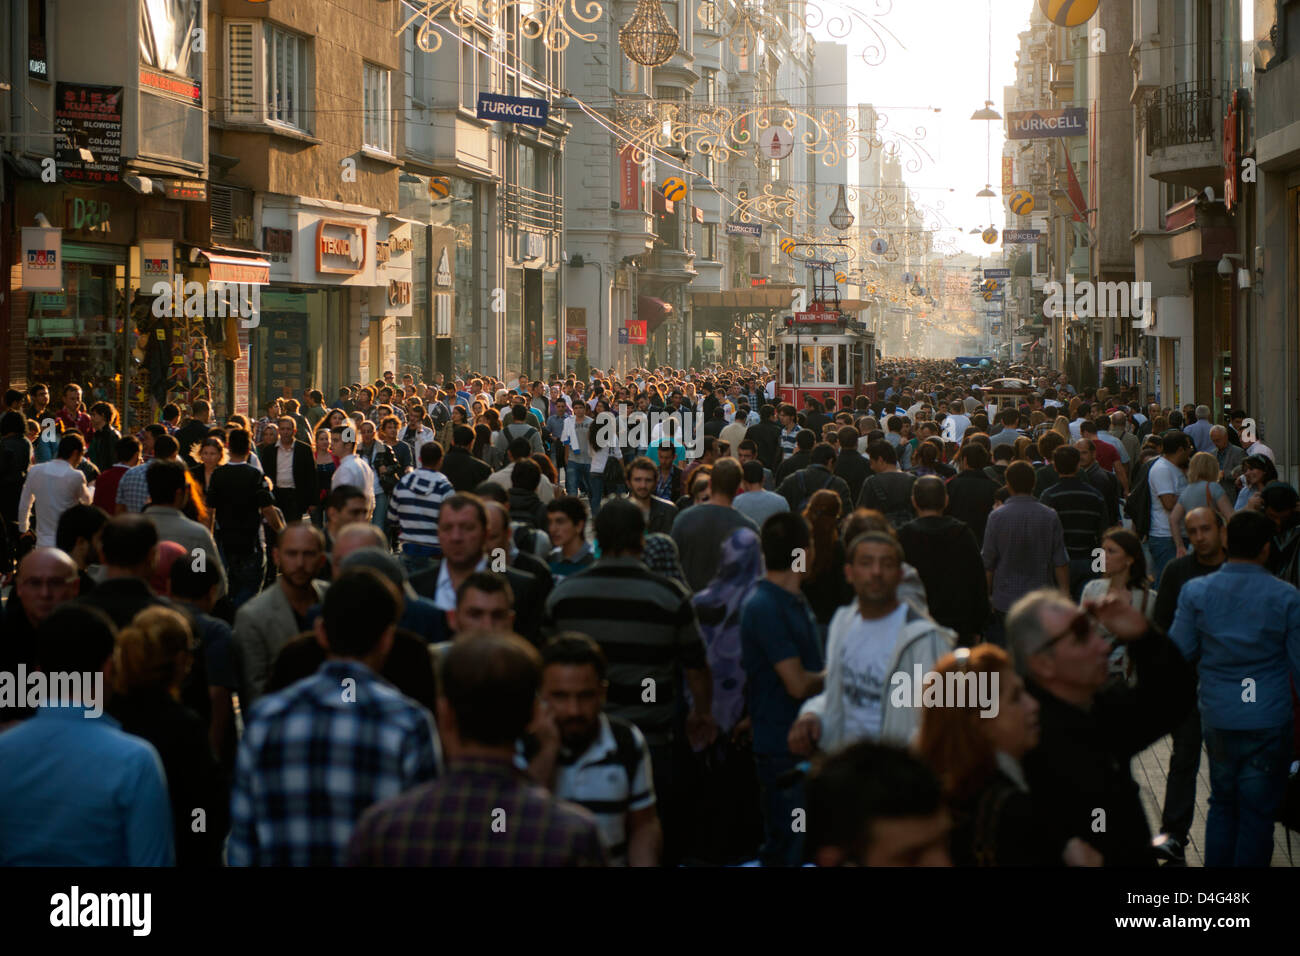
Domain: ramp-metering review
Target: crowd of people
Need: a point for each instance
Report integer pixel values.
(654, 618)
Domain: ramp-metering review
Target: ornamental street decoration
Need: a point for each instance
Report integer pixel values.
(545, 20)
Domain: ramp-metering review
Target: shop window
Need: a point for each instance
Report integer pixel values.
(377, 131)
(76, 335)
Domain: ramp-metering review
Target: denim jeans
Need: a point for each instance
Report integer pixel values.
(246, 572)
(380, 518)
(575, 477)
(418, 557)
(1162, 552)
(1248, 771)
(782, 846)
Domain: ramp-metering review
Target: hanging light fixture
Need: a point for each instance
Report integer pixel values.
(987, 192)
(648, 38)
(840, 217)
(988, 112)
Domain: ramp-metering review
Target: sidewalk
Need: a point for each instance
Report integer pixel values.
(1151, 769)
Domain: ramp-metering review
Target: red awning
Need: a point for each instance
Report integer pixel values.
(662, 203)
(653, 312)
(249, 270)
(697, 214)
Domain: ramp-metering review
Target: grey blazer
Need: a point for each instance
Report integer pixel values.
(263, 625)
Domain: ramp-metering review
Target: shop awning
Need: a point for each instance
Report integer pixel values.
(662, 203)
(249, 270)
(653, 312)
(745, 299)
(1131, 361)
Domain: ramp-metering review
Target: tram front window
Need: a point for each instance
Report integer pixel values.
(844, 377)
(818, 363)
(787, 366)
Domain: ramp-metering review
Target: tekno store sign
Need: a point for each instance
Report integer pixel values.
(1046, 124)
(512, 109)
(340, 247)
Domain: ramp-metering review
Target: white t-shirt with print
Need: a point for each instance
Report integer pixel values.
(865, 655)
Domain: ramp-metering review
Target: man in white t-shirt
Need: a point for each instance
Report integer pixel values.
(352, 469)
(1166, 479)
(873, 650)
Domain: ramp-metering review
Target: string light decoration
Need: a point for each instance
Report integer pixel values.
(648, 38)
(547, 20)
(744, 25)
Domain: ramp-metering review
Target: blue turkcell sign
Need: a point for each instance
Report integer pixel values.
(753, 229)
(512, 109)
(1011, 236)
(997, 273)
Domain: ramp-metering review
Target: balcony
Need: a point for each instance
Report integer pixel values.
(1183, 124)
(532, 209)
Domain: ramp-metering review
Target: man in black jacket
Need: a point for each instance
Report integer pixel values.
(971, 490)
(850, 464)
(195, 430)
(1091, 727)
(799, 486)
(299, 493)
(463, 470)
(947, 557)
(767, 436)
(642, 476)
(800, 460)
(888, 490)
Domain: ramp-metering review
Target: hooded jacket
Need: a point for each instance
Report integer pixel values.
(946, 555)
(920, 642)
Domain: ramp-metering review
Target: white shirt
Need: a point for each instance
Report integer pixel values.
(284, 467)
(55, 486)
(1259, 448)
(1075, 434)
(866, 653)
(353, 470)
(445, 593)
(1164, 478)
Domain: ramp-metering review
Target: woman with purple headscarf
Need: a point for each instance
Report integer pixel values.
(718, 610)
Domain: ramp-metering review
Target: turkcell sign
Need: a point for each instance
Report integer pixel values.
(754, 229)
(512, 109)
(997, 273)
(1019, 235)
(1045, 124)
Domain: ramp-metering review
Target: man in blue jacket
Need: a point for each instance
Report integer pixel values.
(1242, 626)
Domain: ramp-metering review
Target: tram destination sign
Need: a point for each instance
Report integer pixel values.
(816, 318)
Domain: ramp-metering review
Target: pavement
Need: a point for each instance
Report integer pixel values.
(1151, 769)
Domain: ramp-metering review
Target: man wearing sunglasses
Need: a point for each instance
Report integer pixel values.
(1090, 729)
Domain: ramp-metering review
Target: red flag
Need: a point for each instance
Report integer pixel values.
(1076, 192)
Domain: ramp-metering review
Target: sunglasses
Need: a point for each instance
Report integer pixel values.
(1080, 627)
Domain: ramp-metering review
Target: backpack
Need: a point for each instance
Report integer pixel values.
(898, 513)
(626, 752)
(805, 492)
(1137, 506)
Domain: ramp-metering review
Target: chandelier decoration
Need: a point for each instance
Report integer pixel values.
(841, 218)
(727, 132)
(747, 25)
(648, 38)
(547, 20)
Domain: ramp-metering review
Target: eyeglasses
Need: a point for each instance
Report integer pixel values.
(1080, 626)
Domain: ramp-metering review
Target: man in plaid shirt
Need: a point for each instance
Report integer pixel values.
(484, 811)
(318, 753)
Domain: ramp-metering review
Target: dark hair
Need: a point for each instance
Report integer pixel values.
(574, 649)
(71, 444)
(519, 448)
(75, 639)
(127, 540)
(1131, 544)
(490, 491)
(13, 423)
(882, 451)
(1065, 460)
(620, 526)
(805, 439)
(164, 446)
(360, 605)
(641, 463)
(1020, 477)
(462, 436)
(77, 523)
(848, 436)
(1172, 443)
(156, 430)
(486, 582)
(975, 455)
(929, 493)
(525, 474)
(823, 453)
(127, 447)
(340, 495)
(164, 479)
(430, 454)
(853, 788)
(752, 471)
(571, 506)
(1248, 532)
(189, 584)
(491, 685)
(782, 534)
(460, 501)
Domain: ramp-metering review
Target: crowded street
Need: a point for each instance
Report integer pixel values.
(624, 434)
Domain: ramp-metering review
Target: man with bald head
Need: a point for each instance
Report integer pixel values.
(1205, 531)
(46, 578)
(270, 620)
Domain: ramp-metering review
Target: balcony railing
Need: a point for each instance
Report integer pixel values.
(1180, 115)
(532, 208)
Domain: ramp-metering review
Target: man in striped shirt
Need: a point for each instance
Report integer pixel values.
(1082, 510)
(592, 759)
(416, 503)
(646, 625)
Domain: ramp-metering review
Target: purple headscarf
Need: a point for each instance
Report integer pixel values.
(718, 608)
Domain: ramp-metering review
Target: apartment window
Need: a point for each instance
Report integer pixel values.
(38, 64)
(377, 127)
(710, 86)
(708, 15)
(774, 169)
(709, 241)
(268, 75)
(710, 164)
(476, 73)
(419, 61)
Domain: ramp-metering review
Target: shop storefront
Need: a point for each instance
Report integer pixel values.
(460, 210)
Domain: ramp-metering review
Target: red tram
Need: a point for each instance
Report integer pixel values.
(826, 355)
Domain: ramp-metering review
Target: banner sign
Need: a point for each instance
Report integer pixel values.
(636, 331)
(512, 109)
(752, 229)
(1008, 174)
(88, 117)
(631, 178)
(42, 259)
(1046, 124)
(997, 273)
(1019, 235)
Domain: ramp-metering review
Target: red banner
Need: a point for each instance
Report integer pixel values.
(631, 178)
(635, 331)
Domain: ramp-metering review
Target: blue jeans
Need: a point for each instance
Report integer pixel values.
(576, 476)
(1162, 552)
(245, 572)
(418, 557)
(782, 846)
(380, 518)
(1248, 771)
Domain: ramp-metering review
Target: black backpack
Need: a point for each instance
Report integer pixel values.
(805, 491)
(1137, 506)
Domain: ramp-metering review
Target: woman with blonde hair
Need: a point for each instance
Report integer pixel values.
(1203, 491)
(1020, 450)
(1062, 426)
(974, 743)
(151, 661)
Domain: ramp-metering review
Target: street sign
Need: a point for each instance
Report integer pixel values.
(997, 273)
(1010, 236)
(635, 329)
(777, 142)
(622, 336)
(512, 109)
(751, 229)
(1047, 124)
(816, 318)
(879, 247)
